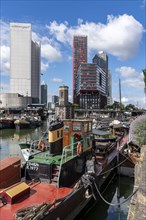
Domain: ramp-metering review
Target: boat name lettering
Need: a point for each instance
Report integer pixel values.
(32, 166)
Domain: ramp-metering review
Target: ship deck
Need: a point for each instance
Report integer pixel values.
(39, 193)
(46, 158)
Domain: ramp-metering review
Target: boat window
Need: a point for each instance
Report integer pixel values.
(57, 134)
(66, 127)
(61, 133)
(77, 127)
(85, 127)
(90, 126)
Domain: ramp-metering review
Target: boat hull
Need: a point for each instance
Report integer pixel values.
(22, 124)
(6, 123)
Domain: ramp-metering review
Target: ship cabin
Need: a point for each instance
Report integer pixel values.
(103, 143)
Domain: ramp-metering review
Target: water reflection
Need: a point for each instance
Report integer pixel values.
(102, 211)
(10, 139)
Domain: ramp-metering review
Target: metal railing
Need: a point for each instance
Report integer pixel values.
(70, 151)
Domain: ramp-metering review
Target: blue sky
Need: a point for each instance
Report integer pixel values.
(117, 27)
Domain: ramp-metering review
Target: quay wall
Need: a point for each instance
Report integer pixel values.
(137, 210)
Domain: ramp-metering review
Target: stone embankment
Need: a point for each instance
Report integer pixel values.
(137, 210)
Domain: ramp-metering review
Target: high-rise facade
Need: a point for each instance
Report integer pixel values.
(91, 86)
(101, 60)
(55, 99)
(44, 93)
(79, 56)
(24, 62)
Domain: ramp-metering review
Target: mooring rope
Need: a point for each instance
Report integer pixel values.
(111, 204)
(113, 167)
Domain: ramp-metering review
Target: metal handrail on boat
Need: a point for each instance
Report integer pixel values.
(73, 152)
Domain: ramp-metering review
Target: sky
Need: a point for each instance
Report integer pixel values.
(117, 27)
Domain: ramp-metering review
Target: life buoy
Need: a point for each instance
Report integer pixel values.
(41, 145)
(79, 148)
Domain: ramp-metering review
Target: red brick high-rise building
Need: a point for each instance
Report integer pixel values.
(79, 56)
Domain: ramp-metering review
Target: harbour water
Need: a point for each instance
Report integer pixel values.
(122, 186)
(9, 146)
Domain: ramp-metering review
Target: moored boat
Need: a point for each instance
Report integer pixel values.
(60, 180)
(26, 122)
(7, 123)
(22, 124)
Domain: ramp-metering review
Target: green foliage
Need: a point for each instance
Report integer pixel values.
(75, 105)
(108, 106)
(70, 104)
(130, 107)
(139, 132)
(144, 74)
(115, 106)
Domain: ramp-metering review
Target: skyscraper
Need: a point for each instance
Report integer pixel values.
(79, 56)
(55, 99)
(44, 93)
(101, 59)
(24, 62)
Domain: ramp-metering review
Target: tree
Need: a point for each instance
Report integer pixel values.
(144, 74)
(130, 107)
(138, 130)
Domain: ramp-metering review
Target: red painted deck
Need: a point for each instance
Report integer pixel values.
(40, 192)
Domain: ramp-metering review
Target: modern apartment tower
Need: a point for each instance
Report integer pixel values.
(24, 62)
(91, 86)
(79, 56)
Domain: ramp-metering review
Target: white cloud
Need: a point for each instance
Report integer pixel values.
(5, 57)
(5, 30)
(133, 82)
(125, 100)
(126, 71)
(4, 48)
(58, 30)
(80, 21)
(44, 66)
(130, 77)
(56, 80)
(50, 53)
(120, 36)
